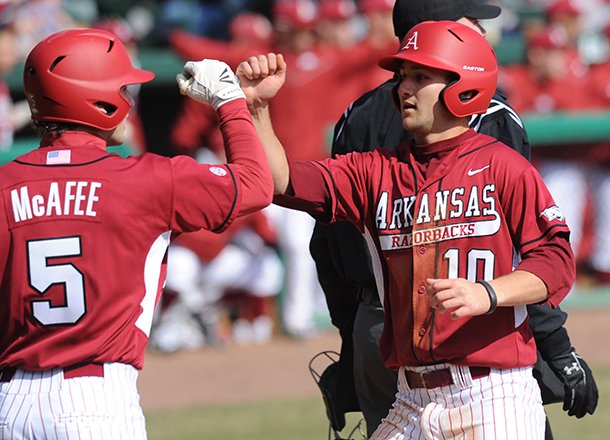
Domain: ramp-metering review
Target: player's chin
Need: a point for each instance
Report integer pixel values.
(409, 123)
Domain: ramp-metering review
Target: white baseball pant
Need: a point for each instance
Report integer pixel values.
(506, 404)
(44, 405)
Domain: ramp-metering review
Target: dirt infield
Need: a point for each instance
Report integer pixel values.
(279, 369)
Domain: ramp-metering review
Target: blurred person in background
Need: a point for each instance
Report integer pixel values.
(196, 125)
(336, 26)
(565, 16)
(303, 118)
(13, 115)
(589, 167)
(379, 37)
(207, 272)
(540, 83)
(201, 282)
(208, 18)
(37, 19)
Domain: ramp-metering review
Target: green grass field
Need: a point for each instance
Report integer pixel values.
(304, 419)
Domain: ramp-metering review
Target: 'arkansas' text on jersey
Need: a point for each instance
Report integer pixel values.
(448, 204)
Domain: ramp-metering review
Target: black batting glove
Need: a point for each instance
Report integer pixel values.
(581, 393)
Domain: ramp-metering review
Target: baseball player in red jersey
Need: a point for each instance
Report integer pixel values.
(84, 234)
(463, 234)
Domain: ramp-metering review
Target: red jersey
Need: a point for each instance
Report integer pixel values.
(467, 207)
(84, 234)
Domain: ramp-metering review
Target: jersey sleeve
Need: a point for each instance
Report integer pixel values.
(211, 196)
(246, 157)
(539, 228)
(330, 190)
(346, 178)
(204, 196)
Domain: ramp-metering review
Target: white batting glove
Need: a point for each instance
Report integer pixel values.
(210, 82)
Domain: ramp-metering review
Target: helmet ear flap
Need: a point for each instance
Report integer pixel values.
(441, 96)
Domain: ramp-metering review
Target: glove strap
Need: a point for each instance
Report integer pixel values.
(493, 298)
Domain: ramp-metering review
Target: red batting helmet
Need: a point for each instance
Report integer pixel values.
(454, 47)
(76, 76)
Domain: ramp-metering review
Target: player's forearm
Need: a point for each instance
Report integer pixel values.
(273, 148)
(245, 154)
(519, 287)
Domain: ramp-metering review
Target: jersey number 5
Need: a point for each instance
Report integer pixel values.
(44, 275)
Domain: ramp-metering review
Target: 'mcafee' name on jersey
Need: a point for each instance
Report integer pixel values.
(445, 215)
(69, 198)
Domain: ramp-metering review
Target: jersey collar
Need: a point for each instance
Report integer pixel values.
(84, 148)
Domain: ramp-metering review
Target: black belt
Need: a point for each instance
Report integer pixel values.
(78, 370)
(439, 378)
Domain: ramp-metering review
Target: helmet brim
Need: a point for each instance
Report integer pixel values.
(139, 76)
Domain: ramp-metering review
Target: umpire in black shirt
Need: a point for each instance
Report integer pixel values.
(344, 265)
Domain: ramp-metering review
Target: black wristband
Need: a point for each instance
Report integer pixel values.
(493, 299)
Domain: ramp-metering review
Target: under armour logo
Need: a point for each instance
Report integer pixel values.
(225, 76)
(411, 42)
(572, 369)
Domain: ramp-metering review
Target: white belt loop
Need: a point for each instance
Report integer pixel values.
(461, 376)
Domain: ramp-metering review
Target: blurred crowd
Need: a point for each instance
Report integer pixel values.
(258, 278)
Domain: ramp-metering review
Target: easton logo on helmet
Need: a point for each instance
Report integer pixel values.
(474, 68)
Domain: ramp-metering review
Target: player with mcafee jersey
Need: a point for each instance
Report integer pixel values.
(447, 217)
(84, 235)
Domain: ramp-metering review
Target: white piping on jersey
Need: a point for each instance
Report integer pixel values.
(344, 120)
(520, 311)
(494, 106)
(375, 263)
(152, 275)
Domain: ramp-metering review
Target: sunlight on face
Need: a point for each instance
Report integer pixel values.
(418, 94)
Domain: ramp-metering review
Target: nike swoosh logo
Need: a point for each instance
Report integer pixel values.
(225, 77)
(473, 172)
